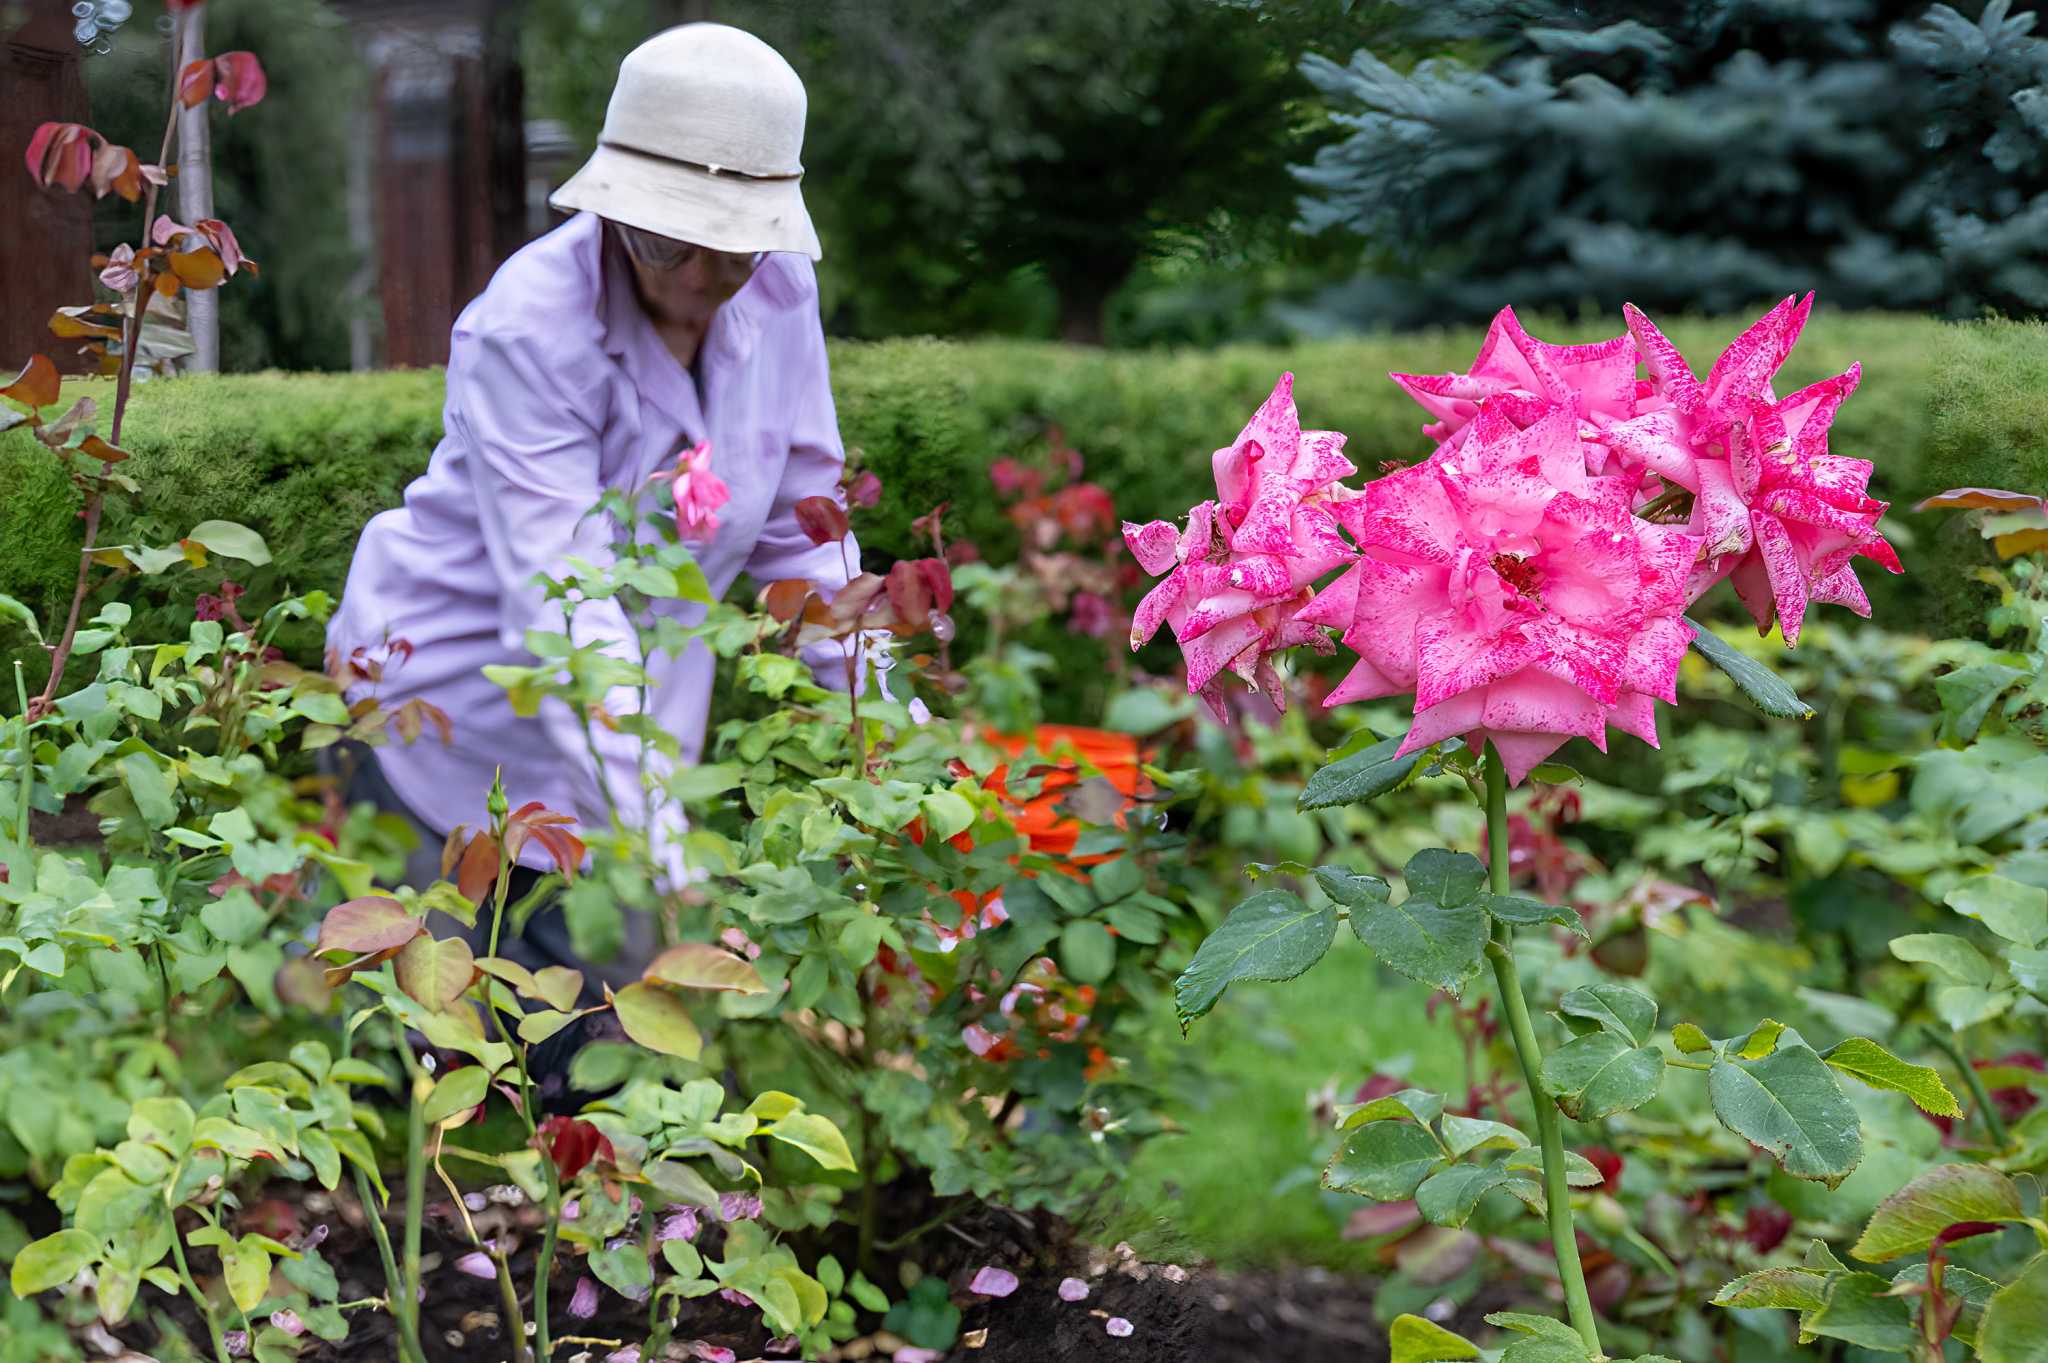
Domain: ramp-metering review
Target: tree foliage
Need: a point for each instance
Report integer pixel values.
(1889, 153)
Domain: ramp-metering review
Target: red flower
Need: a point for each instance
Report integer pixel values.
(1765, 1227)
(1608, 1163)
(572, 1143)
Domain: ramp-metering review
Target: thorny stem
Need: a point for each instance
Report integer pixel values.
(1564, 1239)
(131, 341)
(404, 1309)
(415, 1164)
(1994, 1124)
(220, 1345)
(404, 1312)
(507, 1292)
(28, 775)
(853, 679)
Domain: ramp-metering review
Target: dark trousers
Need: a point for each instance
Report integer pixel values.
(545, 939)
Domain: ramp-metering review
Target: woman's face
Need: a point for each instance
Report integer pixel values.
(680, 281)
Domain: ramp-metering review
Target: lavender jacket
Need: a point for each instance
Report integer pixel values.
(559, 390)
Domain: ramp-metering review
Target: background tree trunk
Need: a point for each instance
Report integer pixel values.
(46, 249)
(195, 197)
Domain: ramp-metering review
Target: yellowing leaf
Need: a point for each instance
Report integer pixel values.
(657, 1019)
(816, 1136)
(699, 965)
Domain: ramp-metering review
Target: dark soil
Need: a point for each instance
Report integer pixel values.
(1175, 1314)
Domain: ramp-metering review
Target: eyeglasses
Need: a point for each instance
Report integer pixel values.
(660, 254)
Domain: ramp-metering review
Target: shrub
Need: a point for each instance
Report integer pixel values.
(307, 459)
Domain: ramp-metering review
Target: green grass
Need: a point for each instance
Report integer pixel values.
(1239, 1187)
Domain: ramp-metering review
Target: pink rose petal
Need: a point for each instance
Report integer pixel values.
(993, 1282)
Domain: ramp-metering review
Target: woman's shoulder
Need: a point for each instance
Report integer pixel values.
(549, 288)
(787, 282)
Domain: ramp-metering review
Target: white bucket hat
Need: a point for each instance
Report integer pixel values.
(702, 142)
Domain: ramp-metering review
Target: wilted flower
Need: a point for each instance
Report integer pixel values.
(583, 1301)
(677, 1223)
(698, 493)
(1517, 596)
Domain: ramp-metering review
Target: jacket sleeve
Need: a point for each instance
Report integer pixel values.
(816, 462)
(531, 426)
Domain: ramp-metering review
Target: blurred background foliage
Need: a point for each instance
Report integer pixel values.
(1195, 172)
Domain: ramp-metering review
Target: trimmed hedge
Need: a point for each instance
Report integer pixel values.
(307, 459)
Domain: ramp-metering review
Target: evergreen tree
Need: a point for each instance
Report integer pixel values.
(1703, 155)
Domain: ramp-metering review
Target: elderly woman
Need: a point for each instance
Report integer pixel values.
(676, 309)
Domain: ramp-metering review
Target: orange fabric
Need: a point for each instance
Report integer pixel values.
(1115, 755)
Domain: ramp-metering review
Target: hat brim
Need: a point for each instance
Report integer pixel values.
(671, 199)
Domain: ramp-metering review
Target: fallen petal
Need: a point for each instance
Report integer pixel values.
(1118, 1327)
(1073, 1289)
(993, 1282)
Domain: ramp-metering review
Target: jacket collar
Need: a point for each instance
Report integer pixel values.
(630, 336)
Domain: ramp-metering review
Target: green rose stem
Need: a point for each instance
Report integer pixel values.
(1564, 1239)
(28, 775)
(1994, 1125)
(220, 1344)
(405, 1312)
(419, 1086)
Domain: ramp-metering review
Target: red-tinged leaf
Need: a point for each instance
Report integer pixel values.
(435, 716)
(223, 240)
(102, 451)
(1965, 1230)
(479, 870)
(865, 490)
(370, 924)
(451, 850)
(61, 154)
(336, 976)
(822, 520)
(572, 1144)
(37, 385)
(1382, 1218)
(201, 269)
(854, 599)
(939, 580)
(565, 847)
(908, 593)
(699, 965)
(195, 83)
(785, 599)
(116, 169)
(656, 1018)
(537, 822)
(239, 80)
(1980, 499)
(407, 722)
(303, 984)
(436, 970)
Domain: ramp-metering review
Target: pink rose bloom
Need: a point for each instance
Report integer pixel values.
(1237, 575)
(1776, 512)
(1524, 377)
(698, 492)
(1515, 594)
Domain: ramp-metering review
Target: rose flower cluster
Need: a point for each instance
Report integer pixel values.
(1527, 581)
